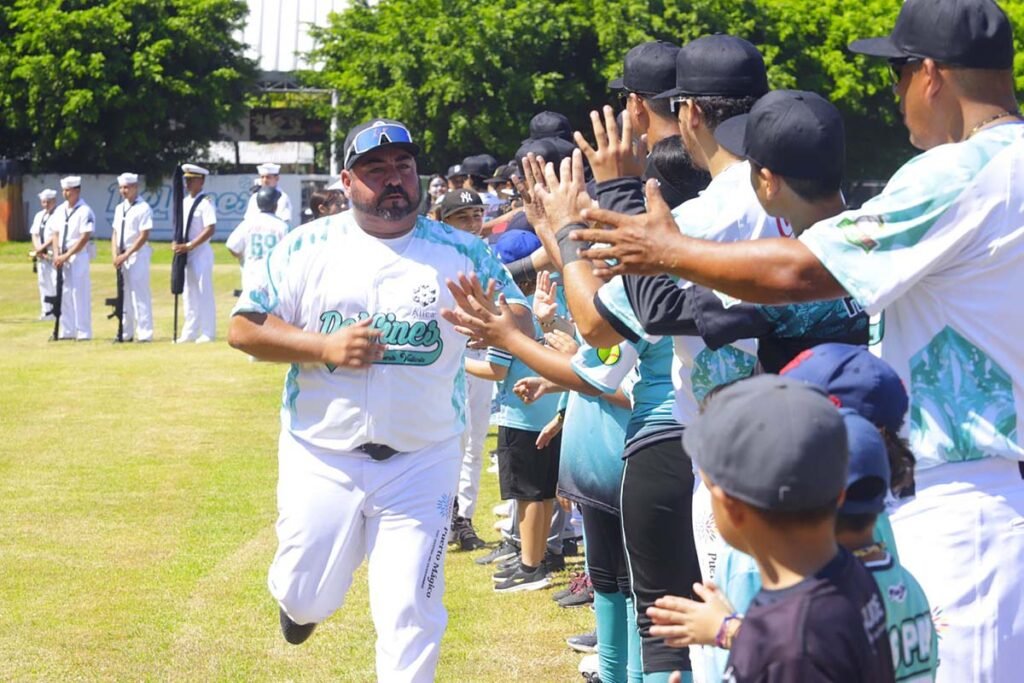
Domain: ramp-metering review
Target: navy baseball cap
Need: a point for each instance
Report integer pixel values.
(718, 65)
(648, 69)
(516, 244)
(375, 134)
(551, 124)
(793, 133)
(454, 171)
(970, 33)
(456, 200)
(854, 378)
(772, 442)
(869, 460)
(503, 174)
(543, 147)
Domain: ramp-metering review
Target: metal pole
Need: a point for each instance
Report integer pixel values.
(335, 171)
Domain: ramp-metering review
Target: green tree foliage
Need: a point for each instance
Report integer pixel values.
(107, 85)
(467, 76)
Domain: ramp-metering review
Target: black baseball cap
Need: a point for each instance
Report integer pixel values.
(772, 442)
(481, 165)
(969, 33)
(455, 170)
(456, 200)
(551, 124)
(794, 133)
(544, 147)
(649, 68)
(374, 134)
(503, 174)
(718, 65)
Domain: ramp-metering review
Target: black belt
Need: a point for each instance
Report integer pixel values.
(377, 451)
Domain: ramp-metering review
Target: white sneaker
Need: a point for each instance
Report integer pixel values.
(502, 509)
(504, 525)
(203, 339)
(590, 665)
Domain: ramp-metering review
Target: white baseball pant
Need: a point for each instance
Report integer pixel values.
(138, 302)
(962, 537)
(200, 311)
(76, 301)
(46, 276)
(337, 508)
(478, 420)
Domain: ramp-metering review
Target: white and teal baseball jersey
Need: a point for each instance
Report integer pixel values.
(726, 211)
(908, 618)
(328, 274)
(939, 251)
(253, 240)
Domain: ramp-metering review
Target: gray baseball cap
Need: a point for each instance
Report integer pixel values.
(772, 442)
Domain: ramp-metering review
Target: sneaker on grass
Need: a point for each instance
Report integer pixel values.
(574, 580)
(503, 551)
(580, 592)
(585, 642)
(590, 669)
(555, 563)
(464, 535)
(521, 580)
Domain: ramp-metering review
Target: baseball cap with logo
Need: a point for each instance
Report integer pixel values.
(456, 200)
(648, 69)
(516, 244)
(854, 378)
(868, 467)
(718, 65)
(790, 132)
(772, 442)
(375, 134)
(969, 33)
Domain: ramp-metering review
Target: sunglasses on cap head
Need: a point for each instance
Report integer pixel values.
(896, 67)
(375, 136)
(676, 103)
(623, 96)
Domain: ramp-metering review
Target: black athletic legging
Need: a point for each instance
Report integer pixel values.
(656, 509)
(606, 559)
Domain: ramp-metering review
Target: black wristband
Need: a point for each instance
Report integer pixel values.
(523, 269)
(567, 246)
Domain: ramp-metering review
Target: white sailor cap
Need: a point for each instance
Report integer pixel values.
(127, 179)
(70, 182)
(48, 194)
(193, 171)
(268, 169)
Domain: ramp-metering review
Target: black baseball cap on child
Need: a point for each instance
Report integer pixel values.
(722, 65)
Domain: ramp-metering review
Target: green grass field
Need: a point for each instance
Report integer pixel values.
(138, 510)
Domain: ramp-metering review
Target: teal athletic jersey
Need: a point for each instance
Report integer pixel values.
(651, 393)
(593, 436)
(512, 412)
(908, 617)
(938, 254)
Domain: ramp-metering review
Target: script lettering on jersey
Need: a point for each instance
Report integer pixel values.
(414, 342)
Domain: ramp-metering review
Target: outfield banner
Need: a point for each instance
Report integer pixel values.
(230, 194)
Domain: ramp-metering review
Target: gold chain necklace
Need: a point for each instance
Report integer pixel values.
(996, 117)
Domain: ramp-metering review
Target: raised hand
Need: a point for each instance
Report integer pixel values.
(562, 342)
(640, 244)
(545, 299)
(617, 155)
(529, 389)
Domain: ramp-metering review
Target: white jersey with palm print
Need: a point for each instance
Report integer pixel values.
(941, 252)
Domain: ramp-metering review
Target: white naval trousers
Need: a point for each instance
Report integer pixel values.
(46, 275)
(478, 420)
(962, 537)
(337, 508)
(76, 301)
(138, 302)
(200, 310)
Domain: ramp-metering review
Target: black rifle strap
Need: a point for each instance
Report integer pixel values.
(64, 235)
(124, 222)
(191, 213)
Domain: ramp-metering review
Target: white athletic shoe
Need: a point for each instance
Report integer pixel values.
(203, 339)
(589, 665)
